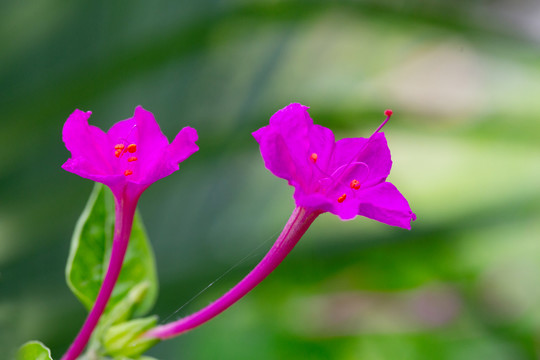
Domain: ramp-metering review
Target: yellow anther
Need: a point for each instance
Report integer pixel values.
(313, 157)
(128, 172)
(119, 147)
(341, 198)
(117, 152)
(132, 158)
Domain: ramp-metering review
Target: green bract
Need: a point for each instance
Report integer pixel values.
(125, 339)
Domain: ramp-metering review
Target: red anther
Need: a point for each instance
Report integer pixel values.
(313, 157)
(119, 147)
(388, 112)
(117, 152)
(128, 172)
(132, 158)
(132, 148)
(341, 198)
(355, 184)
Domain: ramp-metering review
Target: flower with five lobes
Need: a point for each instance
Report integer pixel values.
(128, 158)
(132, 155)
(346, 178)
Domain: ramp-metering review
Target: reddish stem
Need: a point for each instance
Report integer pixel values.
(297, 225)
(124, 211)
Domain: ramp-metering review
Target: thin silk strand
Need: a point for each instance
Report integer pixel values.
(124, 212)
(297, 225)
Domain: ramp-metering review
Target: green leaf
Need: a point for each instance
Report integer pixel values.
(124, 340)
(34, 350)
(89, 257)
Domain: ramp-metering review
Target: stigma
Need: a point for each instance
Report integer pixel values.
(132, 148)
(388, 113)
(313, 157)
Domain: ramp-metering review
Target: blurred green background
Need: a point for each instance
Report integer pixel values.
(463, 79)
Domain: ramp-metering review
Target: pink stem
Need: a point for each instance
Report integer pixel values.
(297, 225)
(124, 212)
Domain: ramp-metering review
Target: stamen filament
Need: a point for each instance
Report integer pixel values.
(388, 114)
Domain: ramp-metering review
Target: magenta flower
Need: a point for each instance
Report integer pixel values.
(132, 155)
(346, 178)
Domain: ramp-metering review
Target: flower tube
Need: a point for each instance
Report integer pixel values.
(346, 178)
(131, 156)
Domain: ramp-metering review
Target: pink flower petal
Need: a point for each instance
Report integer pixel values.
(172, 155)
(322, 143)
(293, 124)
(275, 154)
(87, 145)
(151, 143)
(385, 203)
(183, 145)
